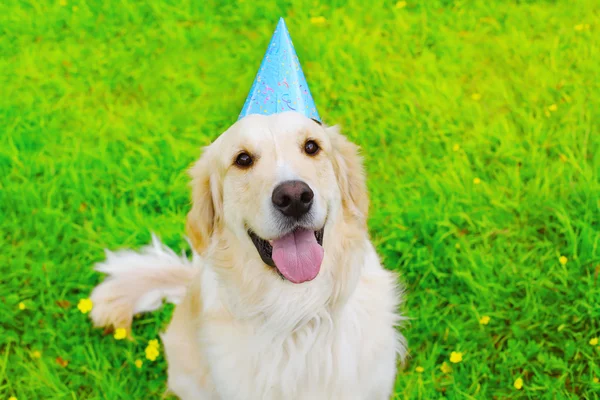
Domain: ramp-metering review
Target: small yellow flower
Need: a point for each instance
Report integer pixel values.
(63, 2)
(120, 333)
(21, 306)
(563, 260)
(152, 353)
(582, 27)
(36, 354)
(484, 320)
(445, 368)
(477, 181)
(85, 305)
(456, 147)
(139, 363)
(456, 357)
(419, 369)
(518, 383)
(12, 398)
(594, 341)
(595, 379)
(553, 107)
(152, 350)
(401, 4)
(476, 96)
(318, 20)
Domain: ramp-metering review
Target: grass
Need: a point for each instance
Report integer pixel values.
(480, 126)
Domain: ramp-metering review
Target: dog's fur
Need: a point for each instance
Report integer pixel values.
(240, 331)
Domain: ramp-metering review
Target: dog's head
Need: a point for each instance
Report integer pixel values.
(278, 184)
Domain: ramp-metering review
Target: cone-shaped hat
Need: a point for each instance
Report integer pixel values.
(280, 84)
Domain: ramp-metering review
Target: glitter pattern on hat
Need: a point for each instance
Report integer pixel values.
(280, 84)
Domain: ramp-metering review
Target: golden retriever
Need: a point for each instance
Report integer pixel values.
(285, 297)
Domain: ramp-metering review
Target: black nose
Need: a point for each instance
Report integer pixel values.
(293, 198)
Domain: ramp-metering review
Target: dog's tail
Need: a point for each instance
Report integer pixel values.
(138, 282)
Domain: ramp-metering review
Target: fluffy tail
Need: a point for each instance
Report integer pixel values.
(138, 282)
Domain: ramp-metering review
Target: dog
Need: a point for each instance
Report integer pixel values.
(285, 296)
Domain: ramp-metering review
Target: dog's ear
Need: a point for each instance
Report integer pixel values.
(204, 217)
(350, 174)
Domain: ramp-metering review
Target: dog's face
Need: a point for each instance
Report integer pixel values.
(276, 182)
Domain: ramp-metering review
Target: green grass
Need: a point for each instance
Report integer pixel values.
(104, 107)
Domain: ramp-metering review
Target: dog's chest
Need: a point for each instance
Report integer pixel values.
(328, 358)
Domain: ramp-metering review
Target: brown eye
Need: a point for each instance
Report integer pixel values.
(244, 160)
(311, 148)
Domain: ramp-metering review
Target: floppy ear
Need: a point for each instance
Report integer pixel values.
(350, 174)
(205, 215)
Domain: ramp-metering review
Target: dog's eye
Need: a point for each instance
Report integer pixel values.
(311, 147)
(244, 160)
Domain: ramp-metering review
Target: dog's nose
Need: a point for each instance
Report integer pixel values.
(293, 198)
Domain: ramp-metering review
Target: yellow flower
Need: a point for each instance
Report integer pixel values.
(120, 333)
(152, 353)
(419, 369)
(476, 96)
(595, 379)
(594, 341)
(318, 20)
(401, 4)
(12, 398)
(63, 2)
(138, 363)
(445, 368)
(581, 27)
(563, 260)
(456, 357)
(456, 147)
(85, 305)
(518, 383)
(36, 354)
(21, 306)
(553, 107)
(484, 320)
(477, 181)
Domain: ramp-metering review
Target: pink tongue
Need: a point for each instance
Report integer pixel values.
(298, 256)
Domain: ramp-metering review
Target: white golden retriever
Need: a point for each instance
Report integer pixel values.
(285, 297)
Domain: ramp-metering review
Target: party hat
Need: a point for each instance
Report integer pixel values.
(280, 84)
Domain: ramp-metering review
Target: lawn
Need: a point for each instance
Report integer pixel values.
(480, 126)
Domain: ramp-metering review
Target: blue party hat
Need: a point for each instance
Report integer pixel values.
(280, 84)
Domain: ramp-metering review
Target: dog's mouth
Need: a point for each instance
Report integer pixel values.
(297, 256)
